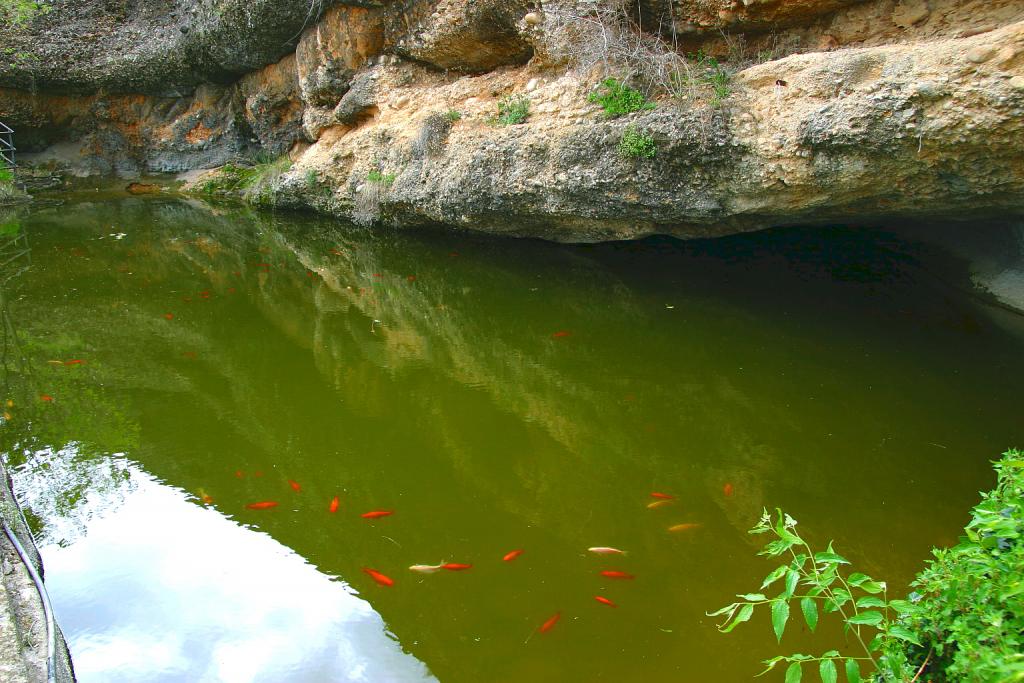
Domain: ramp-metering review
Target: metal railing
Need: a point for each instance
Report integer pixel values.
(7, 148)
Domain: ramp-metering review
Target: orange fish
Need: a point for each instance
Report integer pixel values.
(295, 485)
(663, 496)
(239, 473)
(169, 316)
(410, 278)
(374, 514)
(616, 575)
(205, 294)
(379, 578)
(549, 624)
(455, 566)
(512, 555)
(265, 266)
(46, 397)
(727, 490)
(684, 527)
(189, 354)
(377, 275)
(658, 504)
(236, 273)
(604, 601)
(207, 498)
(74, 362)
(310, 273)
(337, 252)
(334, 505)
(258, 473)
(262, 505)
(561, 334)
(231, 290)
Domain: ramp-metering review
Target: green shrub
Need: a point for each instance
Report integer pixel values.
(636, 144)
(513, 110)
(963, 622)
(617, 98)
(453, 115)
(968, 604)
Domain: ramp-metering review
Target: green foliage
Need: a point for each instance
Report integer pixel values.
(453, 115)
(963, 622)
(386, 179)
(617, 98)
(968, 604)
(311, 179)
(254, 183)
(19, 12)
(513, 110)
(636, 144)
(821, 583)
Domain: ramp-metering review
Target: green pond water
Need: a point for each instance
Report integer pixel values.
(495, 395)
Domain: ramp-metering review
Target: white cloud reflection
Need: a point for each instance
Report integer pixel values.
(161, 590)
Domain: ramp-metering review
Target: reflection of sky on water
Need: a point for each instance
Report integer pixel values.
(143, 596)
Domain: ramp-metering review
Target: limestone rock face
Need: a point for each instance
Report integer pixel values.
(909, 133)
(329, 54)
(694, 16)
(470, 36)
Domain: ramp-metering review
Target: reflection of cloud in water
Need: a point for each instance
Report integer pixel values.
(65, 491)
(145, 596)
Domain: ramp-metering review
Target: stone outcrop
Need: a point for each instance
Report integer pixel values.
(153, 47)
(853, 110)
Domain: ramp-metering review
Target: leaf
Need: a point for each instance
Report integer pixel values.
(903, 633)
(872, 618)
(774, 576)
(752, 597)
(793, 673)
(902, 606)
(792, 577)
(727, 609)
(852, 671)
(744, 615)
(827, 669)
(780, 615)
(869, 601)
(830, 558)
(872, 586)
(810, 610)
(857, 579)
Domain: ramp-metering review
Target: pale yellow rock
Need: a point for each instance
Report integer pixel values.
(910, 12)
(534, 18)
(980, 54)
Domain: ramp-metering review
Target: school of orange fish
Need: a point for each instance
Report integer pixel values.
(661, 499)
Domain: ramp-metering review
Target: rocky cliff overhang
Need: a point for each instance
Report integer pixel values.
(883, 111)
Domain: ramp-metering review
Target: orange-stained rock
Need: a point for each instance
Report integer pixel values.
(329, 54)
(462, 35)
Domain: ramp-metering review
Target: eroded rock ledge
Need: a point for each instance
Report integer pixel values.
(867, 111)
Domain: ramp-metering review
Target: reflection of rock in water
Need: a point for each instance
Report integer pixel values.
(64, 491)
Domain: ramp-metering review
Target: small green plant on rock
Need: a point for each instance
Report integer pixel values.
(386, 179)
(19, 12)
(513, 110)
(618, 99)
(453, 115)
(636, 144)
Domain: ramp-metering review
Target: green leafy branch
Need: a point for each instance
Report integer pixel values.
(817, 582)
